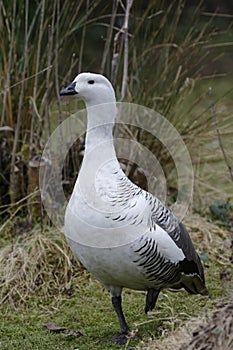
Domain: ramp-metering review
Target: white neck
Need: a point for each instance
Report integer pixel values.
(100, 122)
(99, 146)
(99, 157)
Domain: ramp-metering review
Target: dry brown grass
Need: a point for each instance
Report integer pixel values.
(217, 333)
(202, 333)
(35, 262)
(175, 339)
(210, 238)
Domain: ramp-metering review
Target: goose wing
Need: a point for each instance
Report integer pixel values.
(164, 251)
(164, 218)
(190, 266)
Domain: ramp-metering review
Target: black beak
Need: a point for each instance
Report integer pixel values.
(69, 90)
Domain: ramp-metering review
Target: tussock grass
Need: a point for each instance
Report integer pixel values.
(174, 339)
(38, 263)
(205, 332)
(208, 236)
(217, 333)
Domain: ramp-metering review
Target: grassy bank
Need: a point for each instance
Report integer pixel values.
(81, 305)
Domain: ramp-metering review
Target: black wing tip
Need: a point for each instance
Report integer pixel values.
(188, 267)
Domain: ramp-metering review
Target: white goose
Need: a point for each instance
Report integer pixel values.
(122, 234)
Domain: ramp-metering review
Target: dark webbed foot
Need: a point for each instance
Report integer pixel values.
(151, 298)
(119, 339)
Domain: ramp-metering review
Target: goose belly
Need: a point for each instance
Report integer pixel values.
(116, 252)
(111, 266)
(103, 248)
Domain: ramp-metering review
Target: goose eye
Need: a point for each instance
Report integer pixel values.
(91, 82)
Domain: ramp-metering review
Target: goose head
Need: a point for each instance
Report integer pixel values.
(93, 88)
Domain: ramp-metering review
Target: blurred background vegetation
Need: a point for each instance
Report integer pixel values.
(177, 50)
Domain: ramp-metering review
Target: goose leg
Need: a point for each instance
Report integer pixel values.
(151, 298)
(120, 339)
(116, 302)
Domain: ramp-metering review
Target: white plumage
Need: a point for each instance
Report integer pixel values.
(122, 234)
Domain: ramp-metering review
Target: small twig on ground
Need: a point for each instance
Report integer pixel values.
(214, 114)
